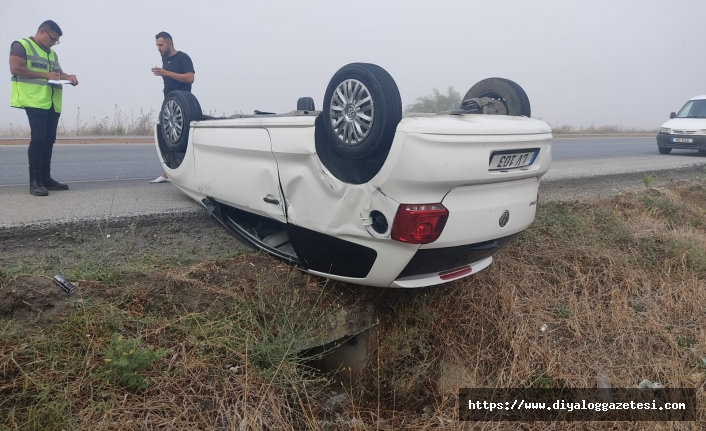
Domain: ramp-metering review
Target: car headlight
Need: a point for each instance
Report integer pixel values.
(701, 132)
(665, 130)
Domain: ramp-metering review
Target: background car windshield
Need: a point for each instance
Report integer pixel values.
(693, 109)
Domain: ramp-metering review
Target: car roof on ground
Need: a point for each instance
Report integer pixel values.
(698, 97)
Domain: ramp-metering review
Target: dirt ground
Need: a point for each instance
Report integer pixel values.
(148, 255)
(105, 254)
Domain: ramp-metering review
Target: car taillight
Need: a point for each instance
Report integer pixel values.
(419, 224)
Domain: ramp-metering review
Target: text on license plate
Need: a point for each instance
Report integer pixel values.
(501, 160)
(686, 140)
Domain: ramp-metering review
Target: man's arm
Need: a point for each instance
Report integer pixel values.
(186, 78)
(185, 64)
(18, 67)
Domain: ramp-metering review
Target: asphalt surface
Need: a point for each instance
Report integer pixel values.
(109, 162)
(84, 162)
(110, 181)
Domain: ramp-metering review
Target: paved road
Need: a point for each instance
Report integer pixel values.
(84, 162)
(585, 157)
(109, 162)
(112, 180)
(107, 181)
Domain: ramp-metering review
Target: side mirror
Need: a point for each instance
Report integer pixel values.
(672, 115)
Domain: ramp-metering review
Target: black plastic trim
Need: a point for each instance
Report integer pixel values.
(213, 207)
(664, 140)
(330, 255)
(431, 260)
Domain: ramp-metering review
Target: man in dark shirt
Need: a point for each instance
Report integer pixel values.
(177, 71)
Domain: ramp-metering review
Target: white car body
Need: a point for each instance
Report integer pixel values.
(442, 158)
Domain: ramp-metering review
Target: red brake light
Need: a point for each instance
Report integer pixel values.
(419, 224)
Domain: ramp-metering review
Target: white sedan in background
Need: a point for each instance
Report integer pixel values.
(357, 193)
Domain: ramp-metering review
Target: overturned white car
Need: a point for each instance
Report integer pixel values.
(355, 192)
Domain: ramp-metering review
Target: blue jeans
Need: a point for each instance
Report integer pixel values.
(43, 124)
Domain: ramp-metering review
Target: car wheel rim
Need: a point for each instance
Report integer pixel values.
(172, 121)
(499, 103)
(352, 112)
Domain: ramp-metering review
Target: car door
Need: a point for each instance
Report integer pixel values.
(236, 166)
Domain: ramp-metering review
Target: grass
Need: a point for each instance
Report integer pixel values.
(647, 180)
(121, 124)
(616, 284)
(82, 356)
(566, 129)
(124, 358)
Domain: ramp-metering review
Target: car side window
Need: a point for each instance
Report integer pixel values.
(699, 109)
(684, 112)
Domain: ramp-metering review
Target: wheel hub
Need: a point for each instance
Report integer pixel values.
(496, 107)
(172, 120)
(352, 112)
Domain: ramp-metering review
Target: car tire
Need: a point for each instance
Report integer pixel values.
(664, 150)
(179, 109)
(362, 107)
(305, 104)
(512, 97)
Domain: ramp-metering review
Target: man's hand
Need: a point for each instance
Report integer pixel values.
(186, 78)
(71, 78)
(158, 71)
(53, 75)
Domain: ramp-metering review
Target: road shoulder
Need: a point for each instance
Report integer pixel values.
(604, 186)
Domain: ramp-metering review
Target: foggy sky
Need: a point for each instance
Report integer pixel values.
(625, 62)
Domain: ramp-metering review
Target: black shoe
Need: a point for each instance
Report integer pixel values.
(36, 188)
(52, 184)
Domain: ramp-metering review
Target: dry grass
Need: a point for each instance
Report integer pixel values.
(598, 130)
(619, 285)
(121, 124)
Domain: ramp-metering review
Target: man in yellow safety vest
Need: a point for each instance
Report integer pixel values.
(34, 65)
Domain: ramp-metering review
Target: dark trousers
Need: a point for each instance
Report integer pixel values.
(43, 124)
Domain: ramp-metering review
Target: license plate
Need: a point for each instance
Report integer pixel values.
(685, 140)
(502, 160)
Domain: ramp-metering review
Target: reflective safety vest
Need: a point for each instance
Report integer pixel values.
(33, 92)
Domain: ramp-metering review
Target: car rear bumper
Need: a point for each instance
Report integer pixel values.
(407, 266)
(437, 260)
(434, 278)
(698, 142)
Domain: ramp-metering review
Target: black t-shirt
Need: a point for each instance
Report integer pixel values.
(177, 63)
(17, 49)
